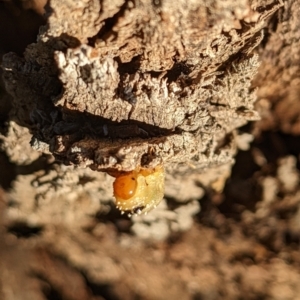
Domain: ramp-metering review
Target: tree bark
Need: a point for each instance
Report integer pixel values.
(118, 85)
(115, 85)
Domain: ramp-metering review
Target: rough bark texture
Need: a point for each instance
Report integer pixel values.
(129, 84)
(279, 76)
(112, 85)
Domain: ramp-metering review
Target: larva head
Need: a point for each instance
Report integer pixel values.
(139, 191)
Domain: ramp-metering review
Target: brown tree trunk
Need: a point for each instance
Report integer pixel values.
(118, 85)
(121, 84)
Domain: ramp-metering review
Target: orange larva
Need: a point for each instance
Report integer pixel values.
(139, 191)
(125, 186)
